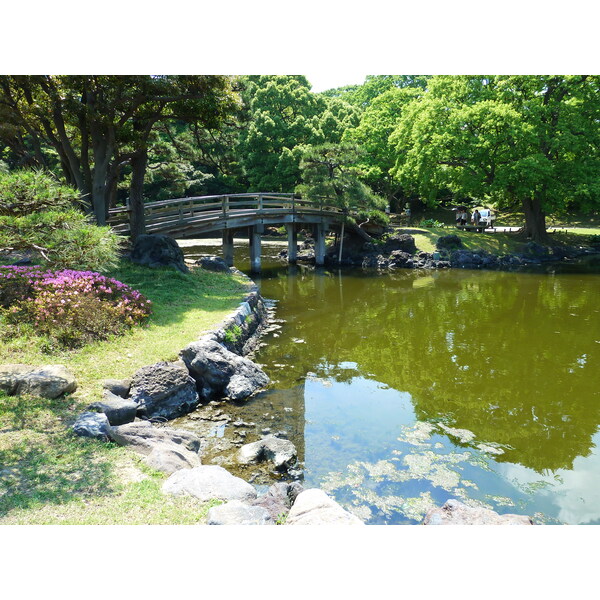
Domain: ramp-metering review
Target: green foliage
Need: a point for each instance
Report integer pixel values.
(37, 215)
(233, 334)
(329, 175)
(373, 216)
(429, 223)
(29, 191)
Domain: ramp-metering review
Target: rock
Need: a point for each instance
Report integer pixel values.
(279, 498)
(144, 437)
(221, 373)
(164, 390)
(158, 250)
(49, 381)
(238, 513)
(282, 453)
(454, 512)
(209, 482)
(449, 242)
(118, 387)
(93, 425)
(212, 263)
(168, 458)
(315, 507)
(400, 242)
(118, 410)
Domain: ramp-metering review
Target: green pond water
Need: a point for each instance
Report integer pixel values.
(402, 390)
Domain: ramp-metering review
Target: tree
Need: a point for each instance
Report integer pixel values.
(532, 140)
(284, 116)
(95, 125)
(377, 123)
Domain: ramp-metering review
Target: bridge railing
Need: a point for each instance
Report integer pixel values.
(194, 211)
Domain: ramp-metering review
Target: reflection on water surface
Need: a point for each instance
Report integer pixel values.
(411, 388)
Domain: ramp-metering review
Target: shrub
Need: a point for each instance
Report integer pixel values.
(373, 216)
(430, 223)
(41, 217)
(71, 307)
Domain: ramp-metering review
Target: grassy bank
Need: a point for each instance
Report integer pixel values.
(48, 475)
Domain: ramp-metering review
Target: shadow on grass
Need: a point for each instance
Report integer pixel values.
(42, 461)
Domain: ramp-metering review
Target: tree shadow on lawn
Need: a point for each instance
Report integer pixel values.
(42, 461)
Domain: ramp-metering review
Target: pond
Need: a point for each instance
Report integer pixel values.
(404, 389)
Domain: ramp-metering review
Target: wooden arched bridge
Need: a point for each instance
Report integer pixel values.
(228, 214)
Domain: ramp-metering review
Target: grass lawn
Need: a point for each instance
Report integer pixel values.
(48, 475)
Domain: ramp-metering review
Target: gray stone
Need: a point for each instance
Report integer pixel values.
(221, 373)
(209, 482)
(48, 381)
(454, 512)
(164, 390)
(158, 250)
(279, 498)
(118, 410)
(449, 242)
(212, 263)
(315, 507)
(400, 242)
(238, 513)
(93, 425)
(169, 458)
(282, 453)
(143, 437)
(118, 387)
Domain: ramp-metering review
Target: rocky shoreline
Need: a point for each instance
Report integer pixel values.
(399, 251)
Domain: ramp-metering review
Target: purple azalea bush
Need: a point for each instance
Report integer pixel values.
(74, 307)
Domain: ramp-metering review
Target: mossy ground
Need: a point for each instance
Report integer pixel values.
(48, 475)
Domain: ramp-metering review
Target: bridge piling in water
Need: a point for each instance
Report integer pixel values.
(292, 234)
(255, 237)
(228, 247)
(320, 229)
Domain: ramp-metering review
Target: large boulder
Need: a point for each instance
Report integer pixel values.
(235, 512)
(49, 381)
(118, 410)
(282, 453)
(118, 387)
(164, 390)
(169, 458)
(92, 425)
(400, 241)
(221, 373)
(158, 250)
(449, 242)
(454, 512)
(315, 507)
(209, 482)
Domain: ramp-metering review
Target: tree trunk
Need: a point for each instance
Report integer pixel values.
(137, 222)
(535, 220)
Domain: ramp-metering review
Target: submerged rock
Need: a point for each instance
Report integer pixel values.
(315, 507)
(209, 482)
(282, 453)
(454, 512)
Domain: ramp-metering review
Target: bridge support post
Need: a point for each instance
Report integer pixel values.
(319, 233)
(228, 247)
(292, 236)
(255, 235)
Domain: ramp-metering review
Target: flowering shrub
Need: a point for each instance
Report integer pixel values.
(73, 307)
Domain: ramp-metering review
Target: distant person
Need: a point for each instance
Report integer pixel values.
(476, 218)
(407, 212)
(464, 215)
